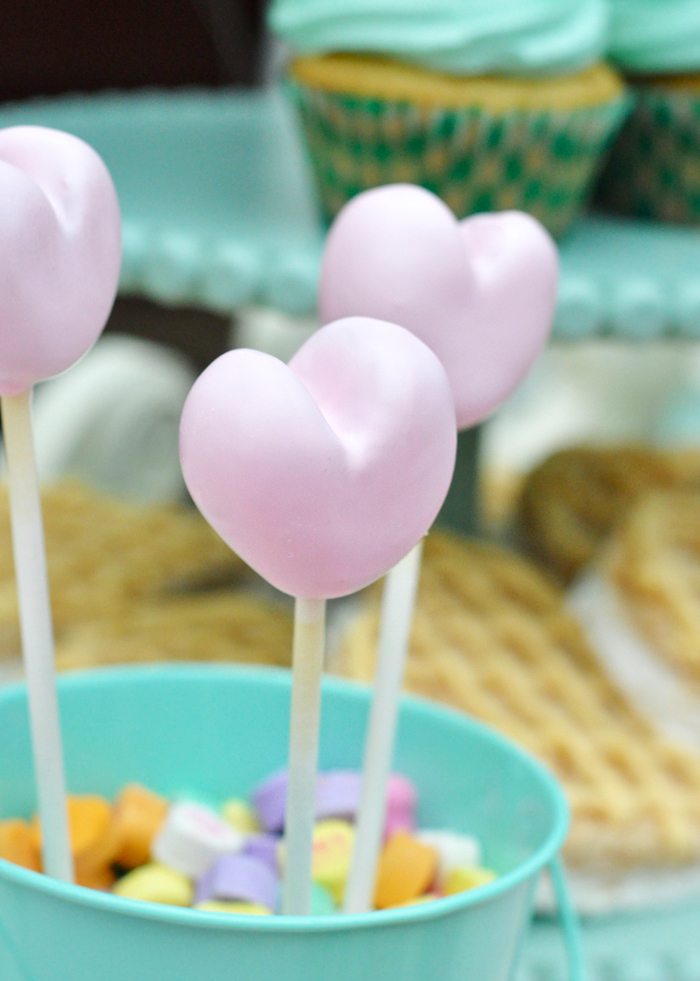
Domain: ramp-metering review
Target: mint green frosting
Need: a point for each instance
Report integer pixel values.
(655, 35)
(463, 37)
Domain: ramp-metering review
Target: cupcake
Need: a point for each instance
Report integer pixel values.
(654, 169)
(491, 106)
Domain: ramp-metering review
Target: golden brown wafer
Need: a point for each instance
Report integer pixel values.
(105, 554)
(654, 564)
(221, 626)
(491, 637)
(570, 503)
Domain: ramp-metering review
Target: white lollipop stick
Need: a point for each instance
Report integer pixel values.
(307, 667)
(296, 466)
(37, 634)
(398, 601)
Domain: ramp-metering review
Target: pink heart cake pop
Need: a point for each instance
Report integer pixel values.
(324, 473)
(481, 292)
(59, 267)
(60, 250)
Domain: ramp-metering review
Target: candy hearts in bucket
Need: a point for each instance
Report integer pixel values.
(323, 473)
(230, 732)
(60, 251)
(480, 292)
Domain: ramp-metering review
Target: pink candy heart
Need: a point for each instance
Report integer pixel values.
(324, 473)
(481, 292)
(60, 251)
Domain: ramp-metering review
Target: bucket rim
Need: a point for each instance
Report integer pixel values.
(280, 923)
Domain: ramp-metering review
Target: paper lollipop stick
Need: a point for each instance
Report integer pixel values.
(36, 632)
(397, 613)
(60, 253)
(481, 294)
(305, 721)
(321, 475)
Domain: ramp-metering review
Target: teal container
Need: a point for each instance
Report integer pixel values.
(214, 733)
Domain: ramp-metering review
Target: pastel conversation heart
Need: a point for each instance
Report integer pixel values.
(481, 292)
(324, 473)
(60, 249)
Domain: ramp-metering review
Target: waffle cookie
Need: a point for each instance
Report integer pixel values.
(105, 554)
(570, 503)
(492, 638)
(640, 606)
(218, 626)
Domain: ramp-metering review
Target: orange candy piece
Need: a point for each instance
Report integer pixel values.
(93, 838)
(138, 816)
(18, 844)
(406, 870)
(102, 879)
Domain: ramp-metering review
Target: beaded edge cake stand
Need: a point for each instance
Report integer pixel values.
(219, 214)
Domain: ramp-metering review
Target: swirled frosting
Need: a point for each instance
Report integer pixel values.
(655, 35)
(463, 37)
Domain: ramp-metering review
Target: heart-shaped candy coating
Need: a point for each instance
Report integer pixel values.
(481, 293)
(324, 473)
(60, 252)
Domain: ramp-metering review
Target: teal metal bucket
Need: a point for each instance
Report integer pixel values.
(214, 733)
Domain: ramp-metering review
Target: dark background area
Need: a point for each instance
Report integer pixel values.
(55, 47)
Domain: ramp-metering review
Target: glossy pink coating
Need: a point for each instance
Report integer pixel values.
(324, 473)
(60, 252)
(481, 292)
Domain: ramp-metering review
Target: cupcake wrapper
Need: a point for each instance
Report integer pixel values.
(654, 168)
(543, 162)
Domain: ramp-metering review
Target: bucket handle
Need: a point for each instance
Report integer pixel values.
(568, 921)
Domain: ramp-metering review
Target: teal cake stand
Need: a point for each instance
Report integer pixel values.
(218, 210)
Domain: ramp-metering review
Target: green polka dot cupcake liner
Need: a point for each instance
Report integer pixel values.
(542, 162)
(653, 170)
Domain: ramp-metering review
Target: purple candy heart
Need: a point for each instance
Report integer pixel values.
(239, 877)
(269, 800)
(337, 795)
(264, 848)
